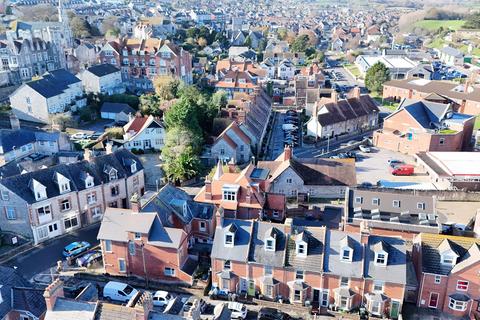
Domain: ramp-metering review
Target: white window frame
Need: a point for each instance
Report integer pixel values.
(120, 265)
(132, 249)
(202, 226)
(299, 275)
(457, 305)
(421, 205)
(11, 213)
(5, 195)
(378, 283)
(375, 201)
(108, 245)
(137, 236)
(169, 272)
(267, 270)
(396, 203)
(460, 288)
(342, 282)
(359, 200)
(438, 279)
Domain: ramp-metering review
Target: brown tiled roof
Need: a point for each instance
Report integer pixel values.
(137, 124)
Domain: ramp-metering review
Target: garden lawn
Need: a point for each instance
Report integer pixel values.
(432, 25)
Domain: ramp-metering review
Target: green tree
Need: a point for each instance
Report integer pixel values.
(150, 105)
(376, 76)
(473, 21)
(80, 27)
(282, 33)
(110, 26)
(301, 43)
(248, 42)
(166, 87)
(219, 99)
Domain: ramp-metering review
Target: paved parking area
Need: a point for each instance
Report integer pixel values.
(372, 167)
(275, 146)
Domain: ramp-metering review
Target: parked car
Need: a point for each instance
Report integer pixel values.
(266, 313)
(79, 136)
(189, 304)
(161, 298)
(403, 170)
(75, 248)
(118, 291)
(217, 293)
(289, 126)
(90, 258)
(395, 162)
(238, 310)
(364, 148)
(351, 142)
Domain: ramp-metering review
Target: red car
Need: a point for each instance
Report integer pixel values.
(403, 170)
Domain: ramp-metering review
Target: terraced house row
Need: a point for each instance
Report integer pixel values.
(46, 203)
(326, 268)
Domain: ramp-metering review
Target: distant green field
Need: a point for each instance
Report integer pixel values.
(433, 25)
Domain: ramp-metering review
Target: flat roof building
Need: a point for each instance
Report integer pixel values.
(397, 65)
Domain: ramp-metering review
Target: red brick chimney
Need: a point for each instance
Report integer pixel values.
(135, 203)
(356, 92)
(334, 96)
(287, 153)
(208, 189)
(364, 232)
(248, 197)
(52, 292)
(144, 306)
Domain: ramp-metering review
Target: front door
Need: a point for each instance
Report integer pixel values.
(53, 230)
(316, 295)
(433, 302)
(251, 288)
(394, 309)
(147, 144)
(243, 285)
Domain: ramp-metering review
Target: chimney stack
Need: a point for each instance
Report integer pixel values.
(87, 154)
(364, 231)
(144, 306)
(208, 188)
(109, 147)
(52, 292)
(356, 92)
(287, 153)
(14, 122)
(248, 197)
(135, 203)
(334, 96)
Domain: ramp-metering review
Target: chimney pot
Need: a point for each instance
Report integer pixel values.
(287, 153)
(52, 292)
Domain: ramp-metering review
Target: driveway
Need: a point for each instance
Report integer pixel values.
(153, 172)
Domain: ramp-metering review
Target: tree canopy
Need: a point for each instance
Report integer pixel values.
(301, 43)
(376, 76)
(473, 21)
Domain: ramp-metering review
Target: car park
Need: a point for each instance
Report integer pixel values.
(238, 310)
(161, 298)
(75, 248)
(89, 259)
(118, 291)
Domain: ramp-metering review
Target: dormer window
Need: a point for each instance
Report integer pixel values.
(89, 182)
(448, 259)
(65, 187)
(270, 244)
(229, 240)
(62, 182)
(38, 189)
(381, 258)
(347, 254)
(133, 167)
(229, 192)
(112, 175)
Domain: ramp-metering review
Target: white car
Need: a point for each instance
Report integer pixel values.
(364, 148)
(161, 298)
(118, 291)
(238, 310)
(79, 136)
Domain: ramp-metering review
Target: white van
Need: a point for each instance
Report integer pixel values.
(118, 291)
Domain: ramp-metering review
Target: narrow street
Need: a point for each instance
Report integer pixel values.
(46, 255)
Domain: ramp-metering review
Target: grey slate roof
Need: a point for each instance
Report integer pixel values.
(425, 112)
(258, 253)
(53, 83)
(333, 262)
(10, 279)
(171, 200)
(19, 184)
(395, 271)
(103, 69)
(16, 138)
(315, 248)
(117, 223)
(114, 107)
(240, 250)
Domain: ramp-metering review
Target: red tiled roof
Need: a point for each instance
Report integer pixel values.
(137, 124)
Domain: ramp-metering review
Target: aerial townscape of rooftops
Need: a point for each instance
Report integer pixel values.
(270, 160)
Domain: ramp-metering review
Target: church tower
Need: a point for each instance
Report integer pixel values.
(62, 14)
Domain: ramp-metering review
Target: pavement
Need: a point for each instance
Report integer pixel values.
(45, 255)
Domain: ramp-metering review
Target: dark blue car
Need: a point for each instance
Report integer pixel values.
(75, 248)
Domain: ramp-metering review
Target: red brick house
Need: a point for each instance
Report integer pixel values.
(466, 97)
(242, 195)
(422, 125)
(447, 269)
(142, 60)
(138, 244)
(326, 268)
